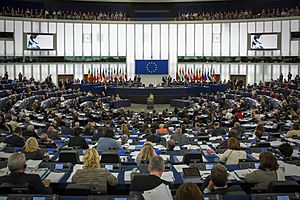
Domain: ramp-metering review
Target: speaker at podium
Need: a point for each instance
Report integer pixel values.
(150, 102)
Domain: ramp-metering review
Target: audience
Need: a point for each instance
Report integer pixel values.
(143, 183)
(32, 151)
(188, 191)
(234, 153)
(107, 142)
(17, 165)
(268, 171)
(179, 138)
(15, 139)
(60, 14)
(146, 153)
(216, 183)
(92, 173)
(77, 140)
(243, 14)
(294, 131)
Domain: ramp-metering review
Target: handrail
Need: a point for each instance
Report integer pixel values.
(150, 22)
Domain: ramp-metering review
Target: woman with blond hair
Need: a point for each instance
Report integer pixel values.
(146, 153)
(92, 173)
(124, 129)
(32, 151)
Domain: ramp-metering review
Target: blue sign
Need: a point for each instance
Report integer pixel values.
(146, 67)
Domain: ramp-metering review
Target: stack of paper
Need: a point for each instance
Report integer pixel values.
(32, 165)
(168, 176)
(55, 177)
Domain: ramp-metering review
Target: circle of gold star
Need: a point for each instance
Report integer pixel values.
(151, 70)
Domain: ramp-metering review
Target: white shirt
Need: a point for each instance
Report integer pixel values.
(232, 157)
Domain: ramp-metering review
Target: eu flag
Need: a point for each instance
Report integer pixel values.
(151, 67)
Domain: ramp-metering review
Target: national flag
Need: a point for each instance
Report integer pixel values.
(177, 74)
(100, 75)
(200, 75)
(205, 77)
(89, 75)
(106, 74)
(95, 75)
(208, 75)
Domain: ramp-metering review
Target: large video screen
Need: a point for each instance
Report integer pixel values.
(35, 41)
(265, 41)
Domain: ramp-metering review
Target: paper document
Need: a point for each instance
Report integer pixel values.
(180, 167)
(168, 176)
(242, 173)
(55, 177)
(75, 168)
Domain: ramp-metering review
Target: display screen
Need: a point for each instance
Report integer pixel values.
(283, 198)
(109, 167)
(209, 166)
(59, 166)
(264, 41)
(39, 41)
(120, 198)
(38, 198)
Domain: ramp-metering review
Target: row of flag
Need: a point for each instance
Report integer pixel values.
(195, 74)
(103, 74)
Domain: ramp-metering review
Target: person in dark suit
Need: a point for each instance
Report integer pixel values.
(143, 183)
(30, 132)
(77, 140)
(216, 183)
(238, 130)
(67, 130)
(15, 140)
(150, 136)
(17, 166)
(287, 151)
(217, 131)
(46, 142)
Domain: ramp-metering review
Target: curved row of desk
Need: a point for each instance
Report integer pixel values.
(162, 95)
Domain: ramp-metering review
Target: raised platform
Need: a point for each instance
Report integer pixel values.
(162, 95)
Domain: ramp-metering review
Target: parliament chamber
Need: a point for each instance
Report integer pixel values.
(147, 99)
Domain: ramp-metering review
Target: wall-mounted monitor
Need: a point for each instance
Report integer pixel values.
(39, 41)
(7, 36)
(264, 41)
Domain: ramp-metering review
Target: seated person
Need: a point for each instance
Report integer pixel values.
(217, 130)
(216, 183)
(108, 142)
(287, 151)
(150, 135)
(77, 140)
(67, 130)
(268, 171)
(234, 153)
(32, 150)
(98, 134)
(259, 131)
(89, 129)
(47, 142)
(238, 130)
(188, 191)
(17, 166)
(143, 183)
(146, 153)
(179, 138)
(92, 173)
(224, 143)
(170, 145)
(3, 124)
(124, 129)
(294, 131)
(162, 130)
(30, 132)
(15, 139)
(52, 133)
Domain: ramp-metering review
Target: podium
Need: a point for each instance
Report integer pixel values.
(150, 104)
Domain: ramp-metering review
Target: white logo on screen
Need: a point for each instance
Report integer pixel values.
(33, 42)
